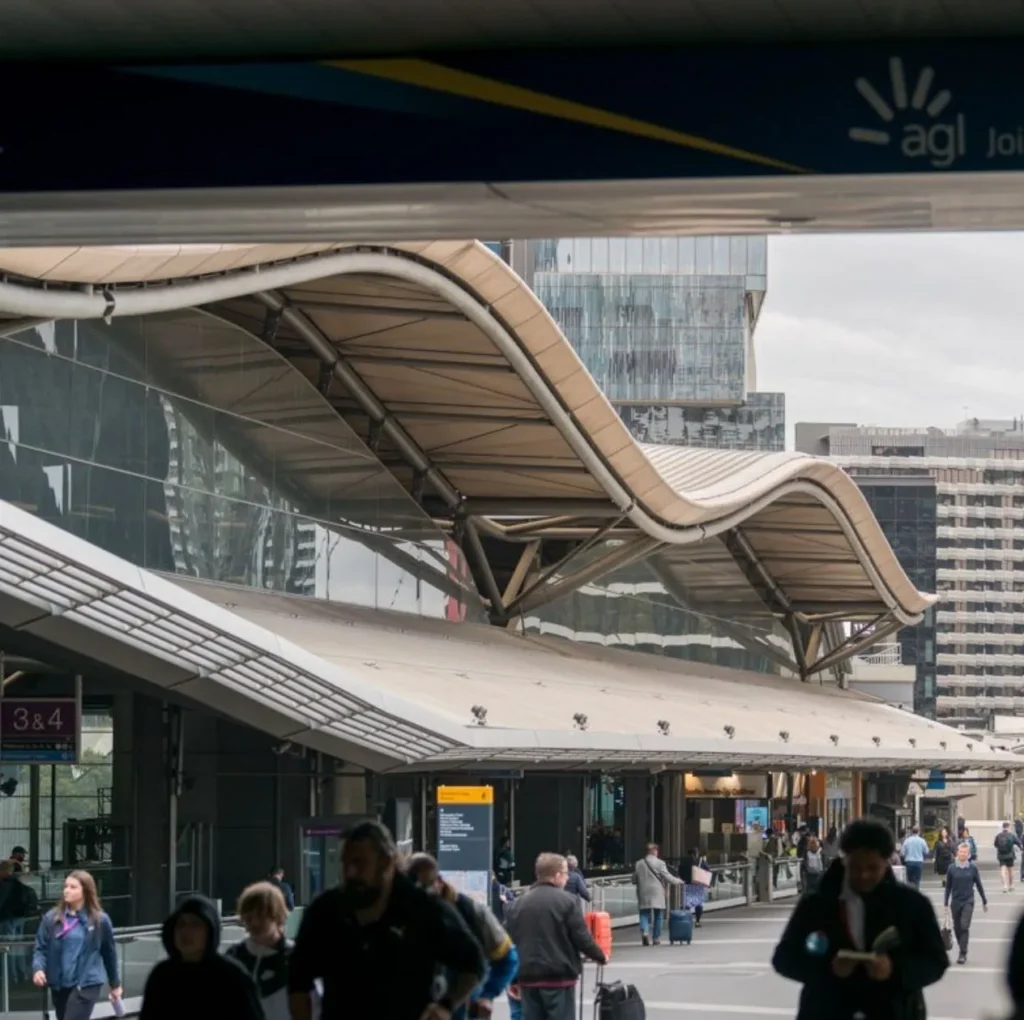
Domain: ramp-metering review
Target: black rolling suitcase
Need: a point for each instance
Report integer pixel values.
(615, 1001)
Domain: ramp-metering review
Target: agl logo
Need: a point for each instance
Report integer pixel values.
(911, 118)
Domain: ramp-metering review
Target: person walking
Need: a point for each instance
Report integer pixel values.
(812, 866)
(915, 850)
(195, 980)
(551, 935)
(377, 942)
(1007, 845)
(961, 880)
(860, 909)
(276, 877)
(943, 851)
(830, 848)
(966, 837)
(652, 878)
(577, 884)
(694, 893)
(498, 949)
(264, 952)
(75, 950)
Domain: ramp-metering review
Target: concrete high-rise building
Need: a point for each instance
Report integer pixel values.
(666, 327)
(975, 525)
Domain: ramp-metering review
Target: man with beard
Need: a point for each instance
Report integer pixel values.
(378, 943)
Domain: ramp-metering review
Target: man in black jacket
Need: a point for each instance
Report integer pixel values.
(863, 945)
(378, 942)
(550, 933)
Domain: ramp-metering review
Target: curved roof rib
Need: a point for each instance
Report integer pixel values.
(458, 377)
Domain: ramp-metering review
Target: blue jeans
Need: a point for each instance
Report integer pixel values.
(652, 918)
(915, 869)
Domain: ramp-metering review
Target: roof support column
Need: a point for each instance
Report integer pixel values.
(474, 548)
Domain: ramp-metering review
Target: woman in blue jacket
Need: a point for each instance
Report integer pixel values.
(75, 950)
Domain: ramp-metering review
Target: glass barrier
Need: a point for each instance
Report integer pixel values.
(786, 876)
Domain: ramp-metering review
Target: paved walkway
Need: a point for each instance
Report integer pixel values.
(726, 971)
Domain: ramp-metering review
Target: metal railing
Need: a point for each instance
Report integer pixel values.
(139, 949)
(888, 654)
(732, 885)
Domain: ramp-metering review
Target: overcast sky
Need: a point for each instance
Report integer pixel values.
(894, 329)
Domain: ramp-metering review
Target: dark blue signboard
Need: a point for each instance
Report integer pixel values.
(465, 838)
(501, 117)
(39, 731)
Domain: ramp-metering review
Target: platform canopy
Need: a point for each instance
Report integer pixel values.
(68, 29)
(454, 374)
(390, 691)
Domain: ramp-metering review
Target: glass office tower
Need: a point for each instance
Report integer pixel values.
(666, 327)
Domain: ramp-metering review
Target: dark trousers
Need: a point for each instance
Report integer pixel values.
(75, 1003)
(549, 1003)
(915, 869)
(962, 914)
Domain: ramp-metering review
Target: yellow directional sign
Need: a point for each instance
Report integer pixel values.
(465, 795)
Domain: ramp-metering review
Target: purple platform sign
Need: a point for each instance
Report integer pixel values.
(39, 731)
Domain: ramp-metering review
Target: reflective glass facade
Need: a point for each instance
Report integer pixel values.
(906, 510)
(757, 424)
(657, 319)
(631, 609)
(185, 445)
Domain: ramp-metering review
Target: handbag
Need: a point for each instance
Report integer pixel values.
(947, 938)
(701, 877)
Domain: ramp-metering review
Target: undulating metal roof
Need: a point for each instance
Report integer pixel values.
(462, 383)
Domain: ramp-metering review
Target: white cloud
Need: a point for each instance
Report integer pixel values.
(904, 329)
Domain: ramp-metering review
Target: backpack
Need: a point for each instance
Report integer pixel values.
(1004, 844)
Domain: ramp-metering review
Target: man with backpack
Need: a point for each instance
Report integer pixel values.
(1007, 844)
(497, 947)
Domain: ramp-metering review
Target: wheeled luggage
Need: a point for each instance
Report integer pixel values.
(617, 1001)
(680, 926)
(600, 924)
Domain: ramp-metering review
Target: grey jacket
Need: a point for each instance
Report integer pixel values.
(651, 876)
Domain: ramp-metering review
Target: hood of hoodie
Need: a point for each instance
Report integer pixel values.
(206, 911)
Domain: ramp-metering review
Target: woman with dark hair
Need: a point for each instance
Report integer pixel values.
(75, 950)
(944, 851)
(694, 894)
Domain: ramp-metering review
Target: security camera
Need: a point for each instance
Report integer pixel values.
(580, 720)
(784, 734)
(663, 725)
(730, 731)
(876, 741)
(479, 715)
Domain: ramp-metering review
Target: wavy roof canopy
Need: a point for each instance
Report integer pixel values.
(456, 375)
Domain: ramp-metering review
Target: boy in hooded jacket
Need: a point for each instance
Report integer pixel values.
(195, 980)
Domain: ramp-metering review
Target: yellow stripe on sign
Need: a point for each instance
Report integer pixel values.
(465, 795)
(472, 86)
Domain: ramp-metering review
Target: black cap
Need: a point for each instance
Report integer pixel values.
(19, 850)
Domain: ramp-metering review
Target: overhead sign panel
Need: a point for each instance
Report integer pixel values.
(39, 731)
(519, 116)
